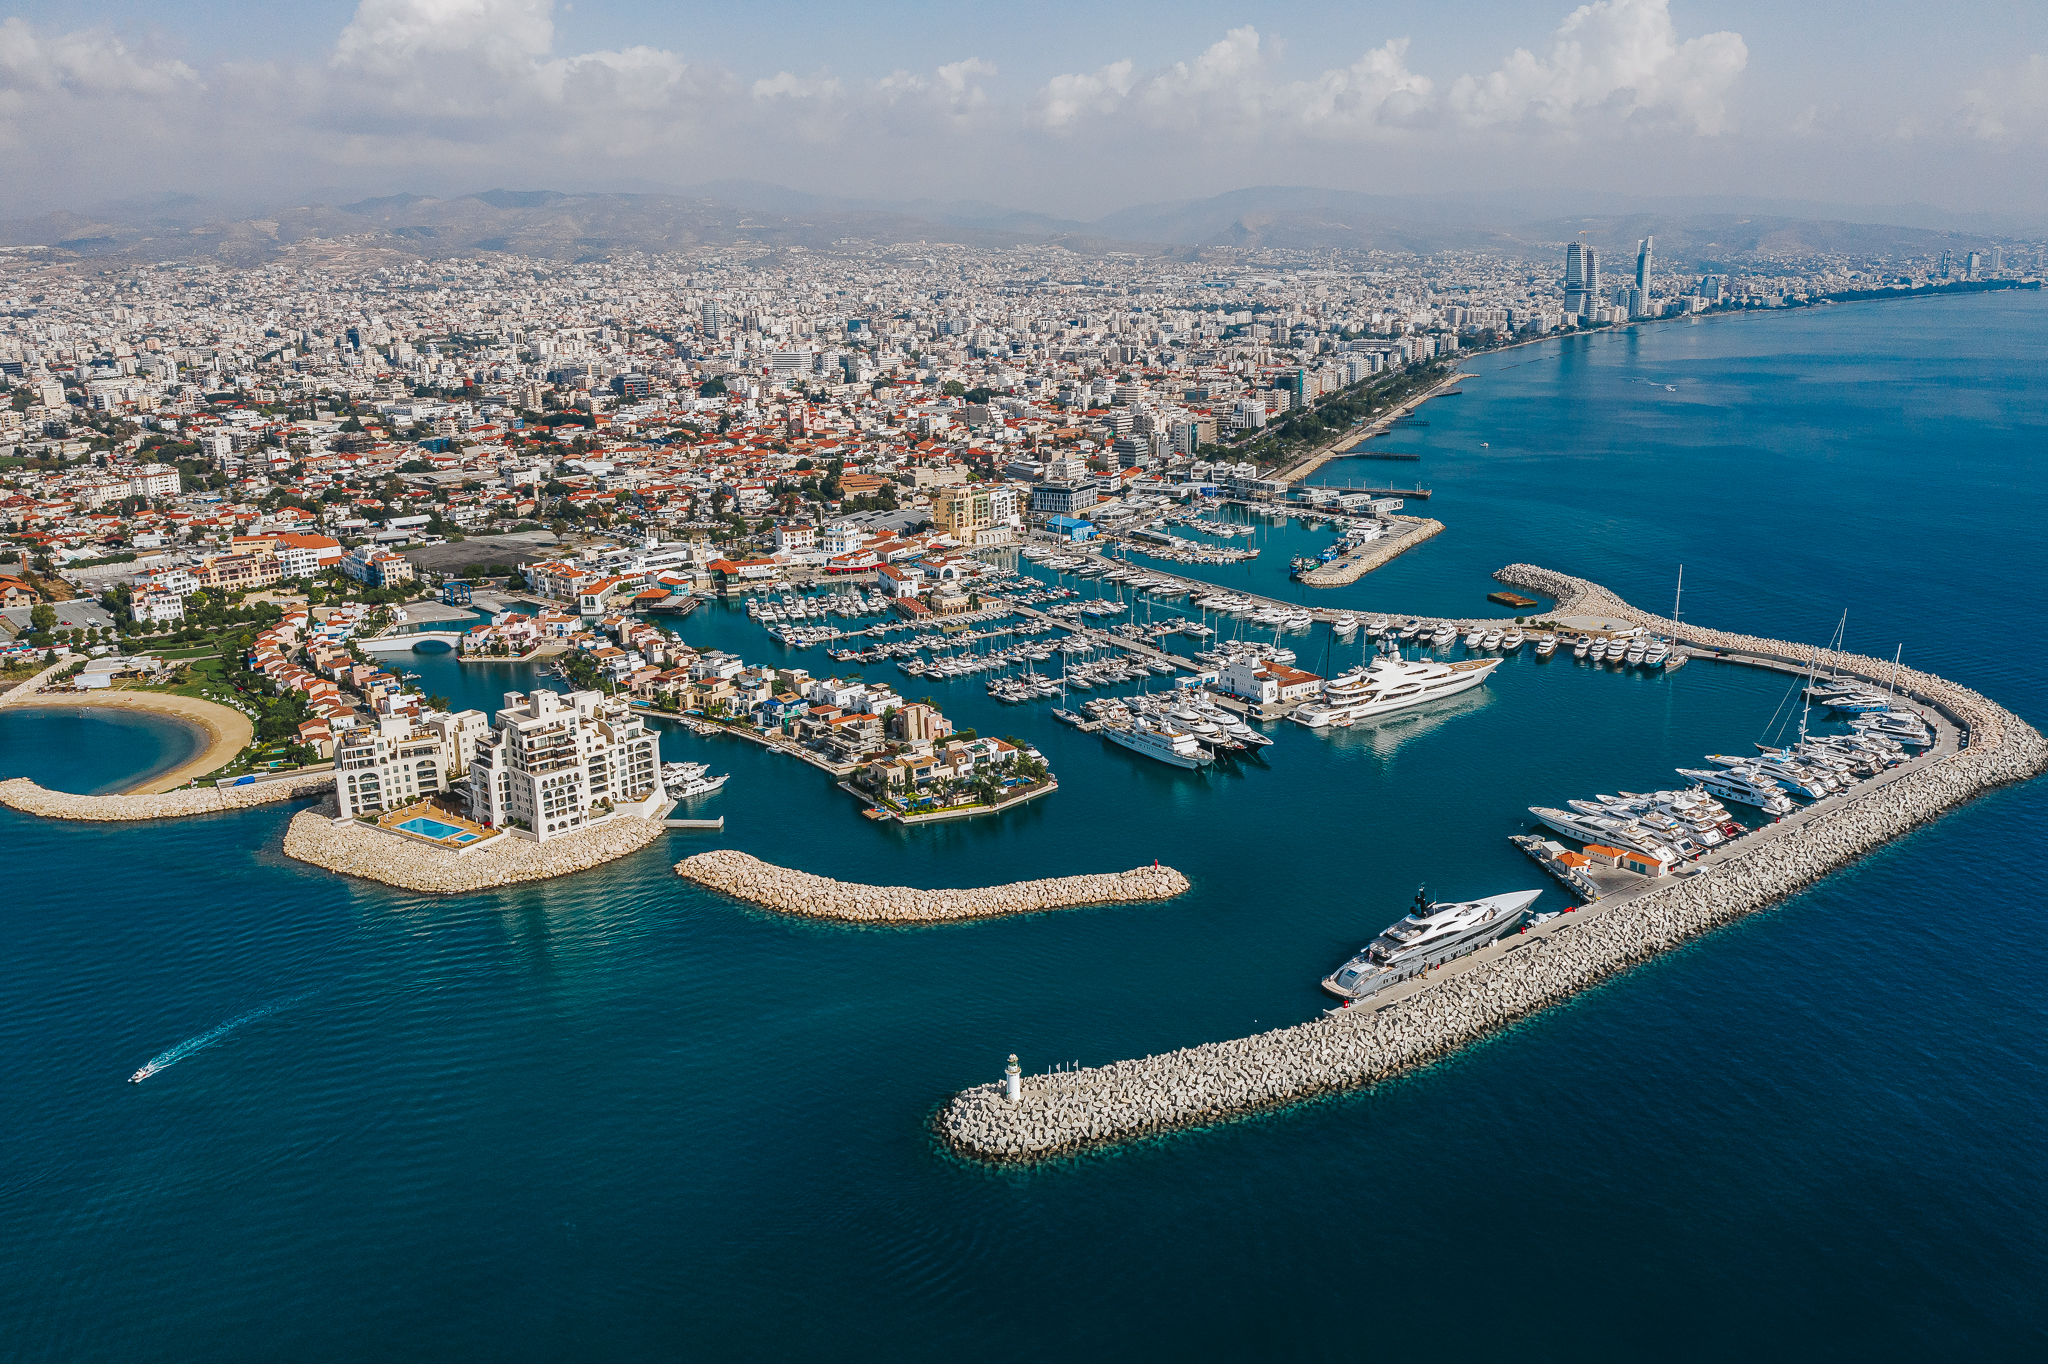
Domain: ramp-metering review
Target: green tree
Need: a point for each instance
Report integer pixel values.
(43, 617)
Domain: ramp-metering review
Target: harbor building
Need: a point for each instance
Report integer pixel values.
(402, 757)
(552, 764)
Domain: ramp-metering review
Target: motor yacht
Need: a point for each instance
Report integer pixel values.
(1546, 644)
(1430, 934)
(1474, 637)
(1159, 741)
(1389, 684)
(1511, 638)
(1743, 785)
(1606, 829)
(1490, 640)
(1581, 646)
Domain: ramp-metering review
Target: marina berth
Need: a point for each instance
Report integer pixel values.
(1035, 1117)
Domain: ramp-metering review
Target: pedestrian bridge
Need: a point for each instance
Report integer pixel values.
(436, 641)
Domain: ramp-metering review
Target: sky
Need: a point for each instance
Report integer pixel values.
(1059, 107)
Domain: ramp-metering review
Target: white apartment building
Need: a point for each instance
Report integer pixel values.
(553, 764)
(399, 759)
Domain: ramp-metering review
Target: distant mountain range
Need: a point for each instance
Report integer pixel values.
(1702, 232)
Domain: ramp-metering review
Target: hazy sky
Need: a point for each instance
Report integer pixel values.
(1064, 107)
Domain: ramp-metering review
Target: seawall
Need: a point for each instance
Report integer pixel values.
(795, 892)
(1353, 566)
(22, 794)
(1064, 1112)
(313, 837)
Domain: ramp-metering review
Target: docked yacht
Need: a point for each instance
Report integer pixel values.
(1581, 645)
(1491, 639)
(1159, 741)
(685, 781)
(1390, 684)
(1429, 935)
(1511, 639)
(1473, 637)
(1605, 829)
(1546, 644)
(1743, 785)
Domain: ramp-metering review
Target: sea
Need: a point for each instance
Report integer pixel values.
(616, 1117)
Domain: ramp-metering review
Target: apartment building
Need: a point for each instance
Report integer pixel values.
(976, 513)
(374, 567)
(401, 758)
(552, 764)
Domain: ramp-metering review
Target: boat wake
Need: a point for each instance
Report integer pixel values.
(208, 1038)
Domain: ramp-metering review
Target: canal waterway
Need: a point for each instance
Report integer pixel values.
(617, 1117)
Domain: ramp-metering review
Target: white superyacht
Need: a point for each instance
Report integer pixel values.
(1430, 935)
(1390, 684)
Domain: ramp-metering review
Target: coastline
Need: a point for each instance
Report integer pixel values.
(1346, 1049)
(222, 732)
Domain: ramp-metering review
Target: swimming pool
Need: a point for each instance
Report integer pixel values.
(435, 829)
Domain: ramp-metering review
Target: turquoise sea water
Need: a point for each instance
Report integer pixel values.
(614, 1117)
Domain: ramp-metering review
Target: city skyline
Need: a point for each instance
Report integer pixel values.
(1073, 115)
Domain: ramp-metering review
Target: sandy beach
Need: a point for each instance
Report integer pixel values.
(226, 732)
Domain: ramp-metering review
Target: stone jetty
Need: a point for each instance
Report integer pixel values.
(410, 864)
(794, 892)
(24, 795)
(1059, 1113)
(1374, 554)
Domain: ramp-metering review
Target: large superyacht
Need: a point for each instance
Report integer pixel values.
(1430, 935)
(1390, 684)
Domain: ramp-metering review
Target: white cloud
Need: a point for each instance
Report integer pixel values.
(90, 63)
(1615, 60)
(1066, 99)
(2009, 105)
(1612, 63)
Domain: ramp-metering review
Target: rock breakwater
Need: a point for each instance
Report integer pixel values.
(1060, 1113)
(352, 850)
(819, 897)
(22, 794)
(1351, 567)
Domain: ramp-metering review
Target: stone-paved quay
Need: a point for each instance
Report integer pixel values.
(24, 795)
(1344, 1049)
(795, 892)
(410, 864)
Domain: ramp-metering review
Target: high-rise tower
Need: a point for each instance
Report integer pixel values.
(1581, 279)
(1639, 296)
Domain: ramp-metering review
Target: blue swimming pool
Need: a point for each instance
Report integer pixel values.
(433, 828)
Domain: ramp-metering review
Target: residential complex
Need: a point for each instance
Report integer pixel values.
(552, 764)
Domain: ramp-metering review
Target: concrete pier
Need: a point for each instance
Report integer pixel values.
(1983, 746)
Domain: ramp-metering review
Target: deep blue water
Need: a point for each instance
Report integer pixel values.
(614, 1117)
